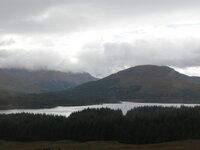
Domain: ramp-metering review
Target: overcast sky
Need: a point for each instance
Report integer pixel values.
(100, 36)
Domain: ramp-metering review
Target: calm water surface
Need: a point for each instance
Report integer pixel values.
(67, 110)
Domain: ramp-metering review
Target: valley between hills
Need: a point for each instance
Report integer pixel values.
(104, 128)
(146, 83)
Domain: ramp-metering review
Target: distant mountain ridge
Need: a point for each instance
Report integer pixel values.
(155, 79)
(21, 80)
(146, 83)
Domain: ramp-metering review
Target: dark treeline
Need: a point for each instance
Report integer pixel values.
(139, 125)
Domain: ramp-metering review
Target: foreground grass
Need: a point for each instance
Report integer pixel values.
(100, 145)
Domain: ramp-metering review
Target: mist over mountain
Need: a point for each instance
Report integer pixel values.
(61, 56)
(25, 81)
(146, 83)
(9, 82)
(85, 35)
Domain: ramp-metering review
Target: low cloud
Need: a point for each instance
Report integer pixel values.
(101, 59)
(99, 36)
(112, 57)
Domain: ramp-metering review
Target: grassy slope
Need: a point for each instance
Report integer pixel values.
(154, 79)
(67, 145)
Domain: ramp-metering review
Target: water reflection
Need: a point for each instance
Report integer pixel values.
(67, 110)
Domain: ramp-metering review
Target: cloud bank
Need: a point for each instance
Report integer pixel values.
(99, 37)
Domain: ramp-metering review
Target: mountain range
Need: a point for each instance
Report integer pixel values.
(146, 83)
(25, 81)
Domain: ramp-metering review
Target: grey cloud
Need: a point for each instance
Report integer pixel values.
(4, 54)
(7, 42)
(101, 59)
(69, 16)
(112, 57)
(77, 15)
(36, 59)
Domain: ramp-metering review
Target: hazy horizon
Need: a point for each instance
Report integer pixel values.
(182, 71)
